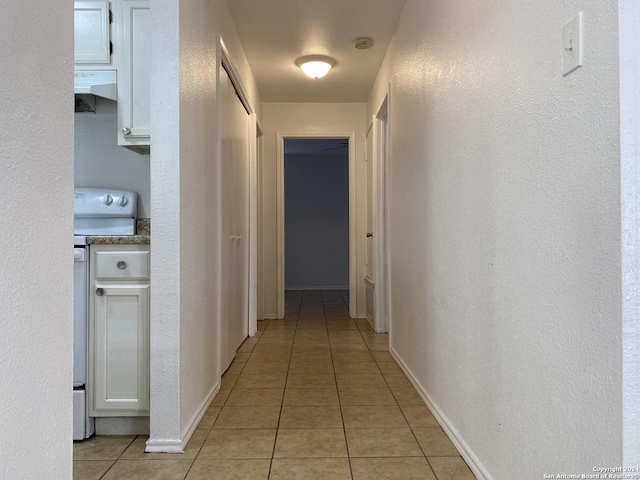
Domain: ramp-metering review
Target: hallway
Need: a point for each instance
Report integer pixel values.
(313, 396)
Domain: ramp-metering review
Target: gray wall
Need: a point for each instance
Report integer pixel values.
(316, 221)
(100, 162)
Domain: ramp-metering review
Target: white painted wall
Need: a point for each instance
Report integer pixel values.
(316, 221)
(184, 189)
(36, 227)
(308, 118)
(505, 230)
(100, 162)
(629, 19)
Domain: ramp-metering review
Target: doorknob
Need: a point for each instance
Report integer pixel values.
(369, 234)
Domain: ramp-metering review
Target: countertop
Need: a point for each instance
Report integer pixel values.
(143, 237)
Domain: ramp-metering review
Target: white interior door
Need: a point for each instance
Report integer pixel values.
(235, 221)
(370, 256)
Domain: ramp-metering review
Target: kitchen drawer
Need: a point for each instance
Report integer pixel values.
(123, 265)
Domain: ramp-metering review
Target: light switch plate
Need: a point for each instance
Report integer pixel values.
(572, 45)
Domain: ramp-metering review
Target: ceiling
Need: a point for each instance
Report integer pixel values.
(275, 33)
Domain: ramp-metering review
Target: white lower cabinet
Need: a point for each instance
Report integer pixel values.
(119, 359)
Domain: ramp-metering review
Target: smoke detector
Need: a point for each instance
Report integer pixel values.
(364, 43)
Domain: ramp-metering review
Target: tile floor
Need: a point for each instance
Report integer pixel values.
(314, 396)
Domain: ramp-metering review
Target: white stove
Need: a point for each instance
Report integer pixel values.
(97, 211)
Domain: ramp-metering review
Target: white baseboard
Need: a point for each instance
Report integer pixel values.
(472, 460)
(270, 317)
(178, 445)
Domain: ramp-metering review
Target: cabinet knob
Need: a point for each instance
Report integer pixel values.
(122, 265)
(126, 131)
(99, 292)
(369, 234)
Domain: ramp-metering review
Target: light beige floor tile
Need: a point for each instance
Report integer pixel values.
(247, 443)
(407, 396)
(136, 449)
(211, 469)
(376, 338)
(235, 368)
(311, 349)
(208, 419)
(255, 397)
(451, 468)
(366, 396)
(259, 368)
(270, 356)
(323, 416)
(389, 367)
(277, 340)
(90, 469)
(228, 381)
(351, 326)
(311, 396)
(382, 442)
(372, 417)
(264, 380)
(310, 341)
(310, 468)
(148, 470)
(101, 447)
(311, 380)
(419, 416)
(434, 442)
(382, 357)
(307, 357)
(352, 347)
(309, 443)
(340, 356)
(360, 380)
(398, 468)
(370, 367)
(246, 348)
(221, 397)
(347, 337)
(397, 380)
(248, 417)
(300, 368)
(241, 357)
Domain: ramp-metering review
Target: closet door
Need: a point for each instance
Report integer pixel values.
(235, 218)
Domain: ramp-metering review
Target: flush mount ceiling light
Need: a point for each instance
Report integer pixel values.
(315, 66)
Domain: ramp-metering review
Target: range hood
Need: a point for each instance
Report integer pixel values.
(100, 83)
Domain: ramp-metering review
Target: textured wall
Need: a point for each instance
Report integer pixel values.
(100, 162)
(505, 229)
(308, 118)
(36, 227)
(629, 18)
(316, 221)
(184, 186)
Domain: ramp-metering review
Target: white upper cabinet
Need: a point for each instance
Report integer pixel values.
(133, 53)
(91, 33)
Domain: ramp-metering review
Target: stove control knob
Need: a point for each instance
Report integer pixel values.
(108, 200)
(124, 201)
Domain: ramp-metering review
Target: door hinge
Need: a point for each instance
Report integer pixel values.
(110, 17)
(110, 47)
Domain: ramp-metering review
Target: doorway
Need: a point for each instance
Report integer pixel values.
(316, 219)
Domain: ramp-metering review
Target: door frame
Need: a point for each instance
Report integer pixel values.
(224, 61)
(280, 255)
(380, 156)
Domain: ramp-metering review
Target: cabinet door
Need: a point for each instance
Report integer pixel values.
(91, 32)
(121, 355)
(134, 69)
